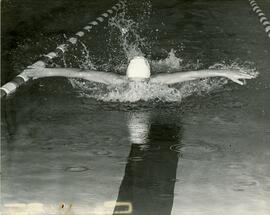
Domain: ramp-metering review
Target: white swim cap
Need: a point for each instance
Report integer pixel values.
(138, 68)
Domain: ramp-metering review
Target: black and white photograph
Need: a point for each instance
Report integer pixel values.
(135, 107)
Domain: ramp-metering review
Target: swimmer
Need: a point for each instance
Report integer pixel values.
(137, 70)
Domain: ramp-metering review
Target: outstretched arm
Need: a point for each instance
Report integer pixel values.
(89, 75)
(178, 77)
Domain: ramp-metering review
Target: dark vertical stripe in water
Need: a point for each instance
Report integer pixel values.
(150, 174)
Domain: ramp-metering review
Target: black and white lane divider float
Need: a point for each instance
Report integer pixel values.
(263, 19)
(20, 79)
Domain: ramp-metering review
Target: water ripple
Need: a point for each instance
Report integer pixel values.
(197, 151)
(244, 183)
(76, 169)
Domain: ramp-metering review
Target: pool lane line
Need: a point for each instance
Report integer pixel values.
(21, 79)
(262, 17)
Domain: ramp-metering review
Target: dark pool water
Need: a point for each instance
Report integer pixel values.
(68, 152)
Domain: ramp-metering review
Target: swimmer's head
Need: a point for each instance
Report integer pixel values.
(138, 69)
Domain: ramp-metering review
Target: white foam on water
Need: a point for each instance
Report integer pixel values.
(140, 91)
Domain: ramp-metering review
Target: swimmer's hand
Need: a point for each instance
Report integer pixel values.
(236, 75)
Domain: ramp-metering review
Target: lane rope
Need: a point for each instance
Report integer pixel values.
(21, 79)
(262, 17)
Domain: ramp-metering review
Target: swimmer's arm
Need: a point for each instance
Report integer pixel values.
(89, 75)
(178, 77)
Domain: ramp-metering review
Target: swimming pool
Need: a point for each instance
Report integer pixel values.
(73, 148)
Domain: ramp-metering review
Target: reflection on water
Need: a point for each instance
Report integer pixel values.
(138, 125)
(150, 172)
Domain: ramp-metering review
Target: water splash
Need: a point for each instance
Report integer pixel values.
(243, 67)
(86, 60)
(129, 39)
(140, 91)
(171, 62)
(85, 63)
(131, 28)
(125, 42)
